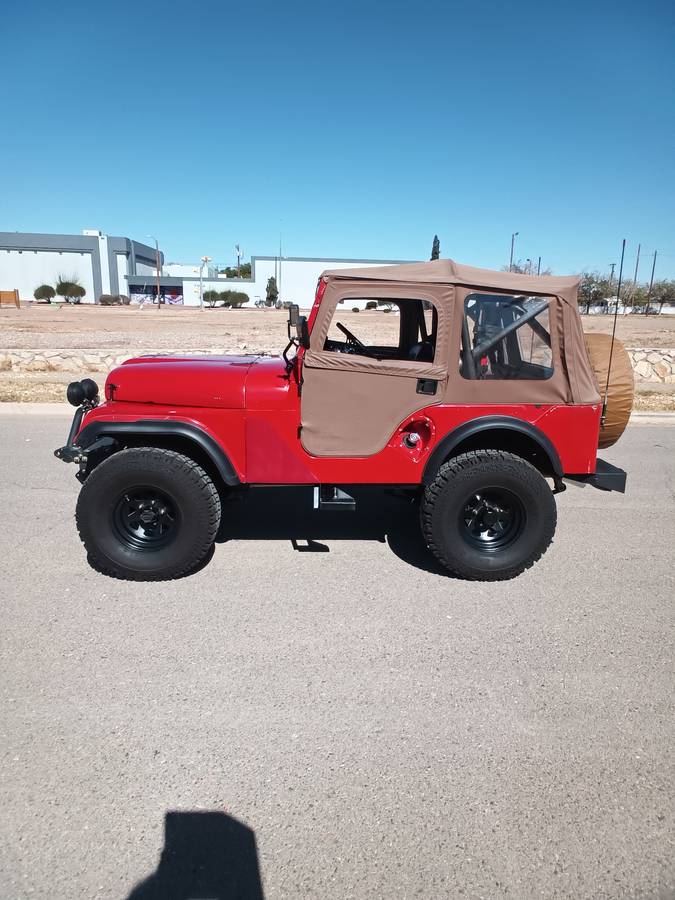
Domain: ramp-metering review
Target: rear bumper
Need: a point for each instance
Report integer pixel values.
(606, 477)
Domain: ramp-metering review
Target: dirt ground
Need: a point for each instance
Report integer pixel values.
(42, 326)
(39, 326)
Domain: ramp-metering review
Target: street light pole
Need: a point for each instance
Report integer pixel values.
(513, 240)
(205, 260)
(159, 269)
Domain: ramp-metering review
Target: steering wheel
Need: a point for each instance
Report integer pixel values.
(351, 338)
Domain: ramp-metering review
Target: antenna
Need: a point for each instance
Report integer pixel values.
(611, 348)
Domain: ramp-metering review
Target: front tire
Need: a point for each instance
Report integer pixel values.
(147, 514)
(488, 515)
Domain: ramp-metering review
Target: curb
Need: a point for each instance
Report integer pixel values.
(652, 418)
(36, 409)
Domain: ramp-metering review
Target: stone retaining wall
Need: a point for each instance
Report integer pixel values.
(656, 365)
(95, 360)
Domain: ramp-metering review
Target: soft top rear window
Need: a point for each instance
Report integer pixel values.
(506, 336)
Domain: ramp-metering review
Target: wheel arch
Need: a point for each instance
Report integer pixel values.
(183, 437)
(496, 433)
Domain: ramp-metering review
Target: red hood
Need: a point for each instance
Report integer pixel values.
(212, 381)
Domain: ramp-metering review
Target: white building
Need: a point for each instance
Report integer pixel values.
(296, 278)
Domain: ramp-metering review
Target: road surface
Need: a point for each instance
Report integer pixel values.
(340, 723)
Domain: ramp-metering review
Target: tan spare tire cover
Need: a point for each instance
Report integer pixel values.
(620, 393)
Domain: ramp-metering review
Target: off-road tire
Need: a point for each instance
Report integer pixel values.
(192, 497)
(444, 524)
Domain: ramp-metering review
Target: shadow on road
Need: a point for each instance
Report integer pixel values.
(273, 514)
(205, 854)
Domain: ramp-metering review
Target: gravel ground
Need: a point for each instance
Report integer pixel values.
(42, 326)
(263, 330)
(347, 723)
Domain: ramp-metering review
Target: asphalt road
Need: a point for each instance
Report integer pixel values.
(346, 723)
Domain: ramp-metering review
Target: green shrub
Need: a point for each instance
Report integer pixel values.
(70, 289)
(114, 300)
(44, 292)
(211, 297)
(233, 299)
(271, 291)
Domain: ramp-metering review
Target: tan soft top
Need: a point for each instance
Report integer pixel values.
(447, 271)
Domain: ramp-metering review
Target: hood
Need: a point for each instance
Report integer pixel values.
(211, 381)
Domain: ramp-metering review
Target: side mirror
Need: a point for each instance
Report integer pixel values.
(293, 315)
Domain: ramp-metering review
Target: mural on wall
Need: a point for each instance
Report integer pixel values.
(146, 293)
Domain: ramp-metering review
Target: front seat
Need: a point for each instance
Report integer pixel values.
(423, 351)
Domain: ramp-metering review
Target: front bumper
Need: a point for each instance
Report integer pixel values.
(606, 477)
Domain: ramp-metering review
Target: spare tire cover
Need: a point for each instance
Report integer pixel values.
(620, 393)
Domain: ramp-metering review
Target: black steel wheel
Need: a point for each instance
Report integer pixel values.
(488, 515)
(148, 514)
(492, 519)
(145, 519)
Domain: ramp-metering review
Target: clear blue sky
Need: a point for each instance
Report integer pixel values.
(358, 129)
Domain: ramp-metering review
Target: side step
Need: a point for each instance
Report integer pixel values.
(329, 498)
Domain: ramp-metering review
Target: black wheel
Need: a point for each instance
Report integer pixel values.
(146, 514)
(488, 515)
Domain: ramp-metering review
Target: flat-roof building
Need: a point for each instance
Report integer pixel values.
(100, 263)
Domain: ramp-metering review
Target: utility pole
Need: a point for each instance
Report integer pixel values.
(279, 281)
(539, 266)
(634, 287)
(651, 284)
(239, 255)
(612, 266)
(637, 263)
(513, 240)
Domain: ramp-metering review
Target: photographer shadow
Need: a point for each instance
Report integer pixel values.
(205, 854)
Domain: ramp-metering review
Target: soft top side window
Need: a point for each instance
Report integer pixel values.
(384, 328)
(506, 336)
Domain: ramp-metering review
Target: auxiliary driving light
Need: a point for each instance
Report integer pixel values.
(79, 391)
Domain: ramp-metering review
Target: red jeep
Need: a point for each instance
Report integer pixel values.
(481, 386)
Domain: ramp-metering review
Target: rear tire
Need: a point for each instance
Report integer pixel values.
(488, 515)
(146, 514)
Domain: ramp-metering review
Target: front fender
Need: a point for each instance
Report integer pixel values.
(162, 428)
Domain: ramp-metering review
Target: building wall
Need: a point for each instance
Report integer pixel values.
(99, 262)
(26, 269)
(122, 266)
(143, 269)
